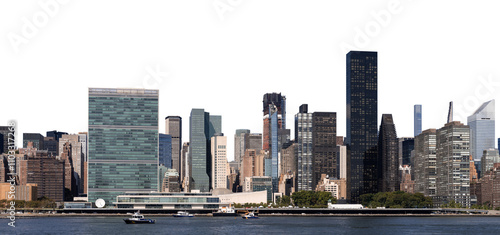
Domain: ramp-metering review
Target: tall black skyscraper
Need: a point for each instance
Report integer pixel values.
(388, 149)
(361, 139)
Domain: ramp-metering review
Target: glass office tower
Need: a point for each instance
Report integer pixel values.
(202, 126)
(482, 130)
(388, 148)
(165, 151)
(417, 119)
(361, 120)
(123, 142)
(303, 133)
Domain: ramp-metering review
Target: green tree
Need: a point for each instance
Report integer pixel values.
(312, 199)
(398, 199)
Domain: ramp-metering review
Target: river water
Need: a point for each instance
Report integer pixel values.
(263, 225)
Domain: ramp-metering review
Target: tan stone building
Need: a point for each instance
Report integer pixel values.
(487, 189)
(22, 192)
(252, 164)
(337, 187)
(407, 185)
(220, 166)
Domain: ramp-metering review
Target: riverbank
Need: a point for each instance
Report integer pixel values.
(263, 212)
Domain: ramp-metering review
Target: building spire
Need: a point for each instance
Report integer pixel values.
(450, 113)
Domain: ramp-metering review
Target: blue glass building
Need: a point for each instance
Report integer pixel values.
(165, 150)
(274, 146)
(123, 142)
(417, 119)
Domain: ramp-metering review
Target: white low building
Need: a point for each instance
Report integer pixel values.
(242, 198)
(344, 206)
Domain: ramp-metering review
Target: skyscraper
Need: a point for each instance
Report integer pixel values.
(77, 157)
(165, 151)
(452, 163)
(219, 161)
(83, 140)
(424, 163)
(185, 177)
(303, 133)
(279, 102)
(173, 127)
(47, 172)
(405, 147)
(239, 145)
(324, 148)
(388, 155)
(361, 120)
(274, 127)
(202, 126)
(123, 142)
(417, 119)
(4, 139)
(482, 130)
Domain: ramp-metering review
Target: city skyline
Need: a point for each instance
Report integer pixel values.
(244, 57)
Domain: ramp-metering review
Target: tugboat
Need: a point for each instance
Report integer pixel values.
(137, 218)
(225, 211)
(249, 215)
(183, 214)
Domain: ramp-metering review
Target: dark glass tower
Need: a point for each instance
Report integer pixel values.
(388, 155)
(324, 147)
(361, 120)
(408, 146)
(56, 134)
(165, 151)
(4, 139)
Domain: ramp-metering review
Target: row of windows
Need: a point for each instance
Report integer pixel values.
(169, 199)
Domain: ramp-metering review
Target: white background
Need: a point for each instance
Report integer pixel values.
(225, 60)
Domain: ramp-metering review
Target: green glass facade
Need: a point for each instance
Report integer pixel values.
(202, 126)
(123, 142)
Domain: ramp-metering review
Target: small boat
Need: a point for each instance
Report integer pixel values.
(137, 218)
(183, 214)
(225, 211)
(250, 215)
